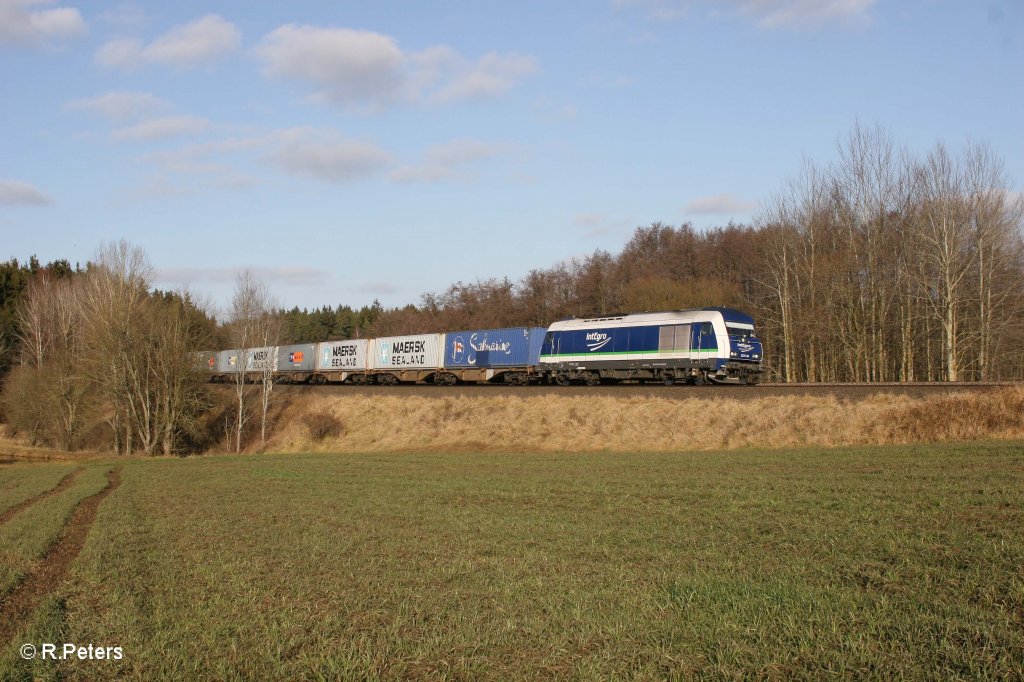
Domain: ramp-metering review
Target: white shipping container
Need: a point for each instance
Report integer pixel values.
(420, 351)
(341, 356)
(260, 359)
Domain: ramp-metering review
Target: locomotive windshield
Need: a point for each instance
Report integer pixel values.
(738, 331)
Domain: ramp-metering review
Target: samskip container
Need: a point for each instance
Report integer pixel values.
(508, 347)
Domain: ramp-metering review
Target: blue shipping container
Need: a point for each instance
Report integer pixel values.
(510, 347)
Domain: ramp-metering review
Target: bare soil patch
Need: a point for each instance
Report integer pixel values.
(19, 605)
(61, 486)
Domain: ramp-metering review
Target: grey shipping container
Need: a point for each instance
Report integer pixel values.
(487, 348)
(297, 358)
(227, 361)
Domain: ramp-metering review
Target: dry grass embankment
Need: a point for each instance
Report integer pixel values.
(586, 424)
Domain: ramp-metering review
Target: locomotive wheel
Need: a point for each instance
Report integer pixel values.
(563, 379)
(593, 378)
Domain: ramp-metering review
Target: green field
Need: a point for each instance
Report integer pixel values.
(866, 562)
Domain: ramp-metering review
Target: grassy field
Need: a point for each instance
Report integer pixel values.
(26, 537)
(868, 562)
(18, 484)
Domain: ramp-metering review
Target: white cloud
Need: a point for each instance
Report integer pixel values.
(125, 16)
(589, 219)
(352, 68)
(369, 71)
(597, 224)
(769, 14)
(287, 275)
(490, 75)
(725, 203)
(197, 156)
(443, 161)
(188, 45)
(121, 106)
(162, 128)
(20, 25)
(374, 289)
(209, 159)
(327, 156)
(15, 193)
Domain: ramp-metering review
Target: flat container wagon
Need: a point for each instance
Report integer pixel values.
(206, 361)
(341, 362)
(257, 360)
(416, 357)
(507, 355)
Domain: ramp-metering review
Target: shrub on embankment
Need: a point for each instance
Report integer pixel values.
(546, 423)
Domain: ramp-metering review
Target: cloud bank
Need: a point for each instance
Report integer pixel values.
(369, 71)
(21, 24)
(185, 46)
(15, 193)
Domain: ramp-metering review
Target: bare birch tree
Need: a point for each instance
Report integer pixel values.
(255, 332)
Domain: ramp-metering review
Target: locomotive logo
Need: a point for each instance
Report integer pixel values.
(597, 340)
(744, 347)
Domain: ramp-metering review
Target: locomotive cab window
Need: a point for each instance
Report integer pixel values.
(738, 331)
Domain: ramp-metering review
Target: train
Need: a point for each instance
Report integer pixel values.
(696, 347)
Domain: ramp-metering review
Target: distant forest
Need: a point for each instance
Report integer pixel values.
(877, 267)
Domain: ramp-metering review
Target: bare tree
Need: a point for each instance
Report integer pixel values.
(51, 393)
(255, 332)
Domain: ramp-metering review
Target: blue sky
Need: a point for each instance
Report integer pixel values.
(351, 151)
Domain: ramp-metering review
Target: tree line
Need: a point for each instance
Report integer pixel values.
(880, 266)
(96, 348)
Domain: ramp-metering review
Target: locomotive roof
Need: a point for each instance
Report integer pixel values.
(663, 317)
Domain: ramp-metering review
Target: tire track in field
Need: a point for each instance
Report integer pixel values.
(61, 486)
(18, 606)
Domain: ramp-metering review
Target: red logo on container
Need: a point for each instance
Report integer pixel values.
(210, 363)
(295, 357)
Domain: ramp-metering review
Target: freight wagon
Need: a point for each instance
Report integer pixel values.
(341, 362)
(252, 361)
(507, 355)
(395, 359)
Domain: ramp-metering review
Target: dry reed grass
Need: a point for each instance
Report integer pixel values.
(601, 423)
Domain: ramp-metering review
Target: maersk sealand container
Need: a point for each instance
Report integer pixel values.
(401, 353)
(486, 348)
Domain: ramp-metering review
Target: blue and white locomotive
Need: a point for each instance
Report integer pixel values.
(693, 346)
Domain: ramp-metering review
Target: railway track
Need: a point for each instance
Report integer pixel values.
(678, 392)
